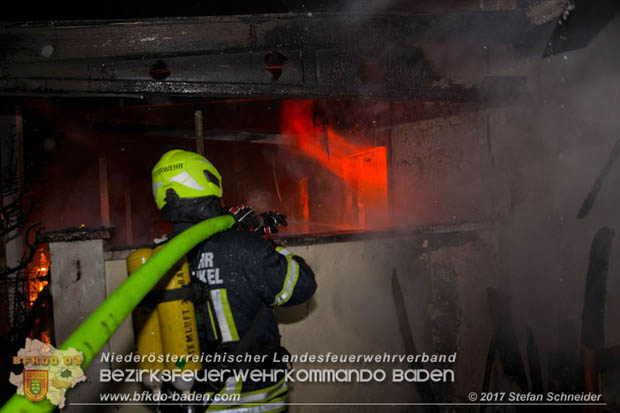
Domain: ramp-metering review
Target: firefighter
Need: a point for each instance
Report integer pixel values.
(239, 274)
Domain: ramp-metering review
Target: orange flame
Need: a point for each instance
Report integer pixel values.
(37, 271)
(362, 166)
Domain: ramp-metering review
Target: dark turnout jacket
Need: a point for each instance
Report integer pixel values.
(237, 271)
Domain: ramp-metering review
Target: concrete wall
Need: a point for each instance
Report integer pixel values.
(442, 171)
(443, 278)
(81, 280)
(78, 287)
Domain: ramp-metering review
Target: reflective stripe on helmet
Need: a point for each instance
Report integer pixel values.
(185, 179)
(156, 186)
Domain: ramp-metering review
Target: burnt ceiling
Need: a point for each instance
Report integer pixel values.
(320, 55)
(115, 9)
(279, 49)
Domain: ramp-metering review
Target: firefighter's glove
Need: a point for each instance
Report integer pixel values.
(270, 221)
(245, 218)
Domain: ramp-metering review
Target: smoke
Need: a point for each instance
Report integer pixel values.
(524, 169)
(519, 170)
(260, 200)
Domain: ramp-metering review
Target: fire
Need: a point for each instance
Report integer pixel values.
(45, 337)
(37, 278)
(360, 165)
(37, 274)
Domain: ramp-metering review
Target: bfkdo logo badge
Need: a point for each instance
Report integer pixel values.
(35, 384)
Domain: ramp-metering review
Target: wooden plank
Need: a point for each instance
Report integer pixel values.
(128, 218)
(609, 358)
(200, 148)
(593, 318)
(104, 199)
(506, 341)
(37, 87)
(424, 387)
(533, 360)
(124, 39)
(19, 153)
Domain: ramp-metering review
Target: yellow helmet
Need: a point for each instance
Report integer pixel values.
(187, 174)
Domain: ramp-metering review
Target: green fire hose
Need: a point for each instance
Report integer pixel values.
(97, 329)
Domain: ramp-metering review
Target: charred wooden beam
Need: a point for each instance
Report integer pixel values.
(588, 202)
(580, 23)
(76, 234)
(565, 364)
(506, 341)
(609, 358)
(593, 318)
(41, 86)
(533, 360)
(436, 236)
(424, 388)
(323, 55)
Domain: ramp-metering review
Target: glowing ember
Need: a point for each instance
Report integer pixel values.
(45, 337)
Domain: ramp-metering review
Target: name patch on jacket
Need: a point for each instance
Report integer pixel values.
(206, 272)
